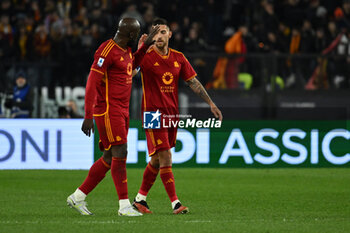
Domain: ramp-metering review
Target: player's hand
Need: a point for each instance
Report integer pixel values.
(141, 40)
(154, 31)
(216, 111)
(88, 126)
(134, 72)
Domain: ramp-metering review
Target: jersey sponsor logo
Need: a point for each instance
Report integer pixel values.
(176, 64)
(156, 64)
(100, 61)
(121, 59)
(151, 120)
(167, 89)
(129, 69)
(167, 78)
(159, 142)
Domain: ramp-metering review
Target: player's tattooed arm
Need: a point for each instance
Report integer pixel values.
(198, 88)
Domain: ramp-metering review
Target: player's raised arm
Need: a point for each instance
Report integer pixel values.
(146, 41)
(141, 41)
(198, 88)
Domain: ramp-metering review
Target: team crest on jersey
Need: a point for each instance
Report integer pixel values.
(167, 78)
(100, 61)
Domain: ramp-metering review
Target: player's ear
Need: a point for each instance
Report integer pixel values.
(131, 35)
(170, 34)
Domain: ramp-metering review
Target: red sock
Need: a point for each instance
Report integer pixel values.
(118, 171)
(149, 176)
(96, 173)
(167, 176)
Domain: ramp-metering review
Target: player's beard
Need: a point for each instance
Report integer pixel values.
(160, 45)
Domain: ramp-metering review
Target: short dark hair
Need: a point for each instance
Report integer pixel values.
(160, 21)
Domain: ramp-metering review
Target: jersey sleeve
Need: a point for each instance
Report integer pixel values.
(187, 72)
(97, 71)
(91, 93)
(102, 60)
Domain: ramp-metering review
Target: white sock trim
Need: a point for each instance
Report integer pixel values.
(173, 204)
(124, 203)
(79, 195)
(140, 197)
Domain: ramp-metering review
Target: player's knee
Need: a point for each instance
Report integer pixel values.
(155, 161)
(107, 159)
(120, 151)
(107, 156)
(165, 158)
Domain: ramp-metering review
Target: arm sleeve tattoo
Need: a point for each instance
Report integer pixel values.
(198, 88)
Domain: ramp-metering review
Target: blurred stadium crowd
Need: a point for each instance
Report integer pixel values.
(68, 31)
(54, 41)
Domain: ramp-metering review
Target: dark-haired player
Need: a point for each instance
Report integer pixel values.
(161, 69)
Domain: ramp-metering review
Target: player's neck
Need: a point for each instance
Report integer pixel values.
(162, 51)
(121, 42)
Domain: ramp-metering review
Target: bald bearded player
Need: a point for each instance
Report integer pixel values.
(107, 101)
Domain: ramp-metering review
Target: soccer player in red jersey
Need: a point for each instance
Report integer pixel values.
(107, 101)
(161, 69)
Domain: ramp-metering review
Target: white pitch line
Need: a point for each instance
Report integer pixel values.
(198, 221)
(147, 221)
(105, 222)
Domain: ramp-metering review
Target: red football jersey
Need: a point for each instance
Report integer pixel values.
(160, 77)
(110, 79)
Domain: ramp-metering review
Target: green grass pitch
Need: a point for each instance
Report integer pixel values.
(220, 200)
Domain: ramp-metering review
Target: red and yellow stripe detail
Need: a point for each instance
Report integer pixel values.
(164, 170)
(109, 147)
(104, 163)
(124, 50)
(108, 48)
(152, 137)
(109, 128)
(192, 77)
(143, 90)
(152, 169)
(163, 56)
(107, 120)
(144, 103)
(100, 72)
(107, 103)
